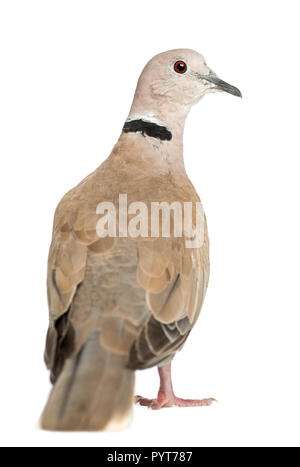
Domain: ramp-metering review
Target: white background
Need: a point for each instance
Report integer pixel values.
(68, 73)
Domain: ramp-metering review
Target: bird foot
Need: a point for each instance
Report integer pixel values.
(165, 401)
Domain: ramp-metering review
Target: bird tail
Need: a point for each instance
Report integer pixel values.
(94, 392)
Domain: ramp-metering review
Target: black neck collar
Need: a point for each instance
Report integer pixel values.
(147, 128)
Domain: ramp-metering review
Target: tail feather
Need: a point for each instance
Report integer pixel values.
(94, 392)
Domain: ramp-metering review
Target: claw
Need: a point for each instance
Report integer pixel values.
(166, 396)
(156, 404)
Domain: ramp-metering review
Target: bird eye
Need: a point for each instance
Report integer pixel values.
(180, 67)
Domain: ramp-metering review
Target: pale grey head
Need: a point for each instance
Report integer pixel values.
(172, 82)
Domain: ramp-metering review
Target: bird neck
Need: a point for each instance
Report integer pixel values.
(162, 135)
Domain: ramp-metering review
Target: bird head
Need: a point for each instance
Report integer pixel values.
(174, 81)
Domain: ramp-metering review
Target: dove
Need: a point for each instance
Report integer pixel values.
(118, 301)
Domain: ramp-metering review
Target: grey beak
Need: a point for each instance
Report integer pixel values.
(222, 85)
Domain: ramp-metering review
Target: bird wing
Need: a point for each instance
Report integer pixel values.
(74, 236)
(175, 279)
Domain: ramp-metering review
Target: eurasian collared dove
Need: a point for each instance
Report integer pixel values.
(120, 303)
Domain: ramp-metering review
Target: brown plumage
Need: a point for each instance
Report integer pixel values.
(120, 304)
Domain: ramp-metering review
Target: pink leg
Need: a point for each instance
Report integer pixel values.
(166, 396)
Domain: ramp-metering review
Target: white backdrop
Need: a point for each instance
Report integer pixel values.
(68, 73)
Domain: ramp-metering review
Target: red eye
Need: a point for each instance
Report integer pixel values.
(180, 67)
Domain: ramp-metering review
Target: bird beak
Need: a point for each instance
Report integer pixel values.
(222, 85)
